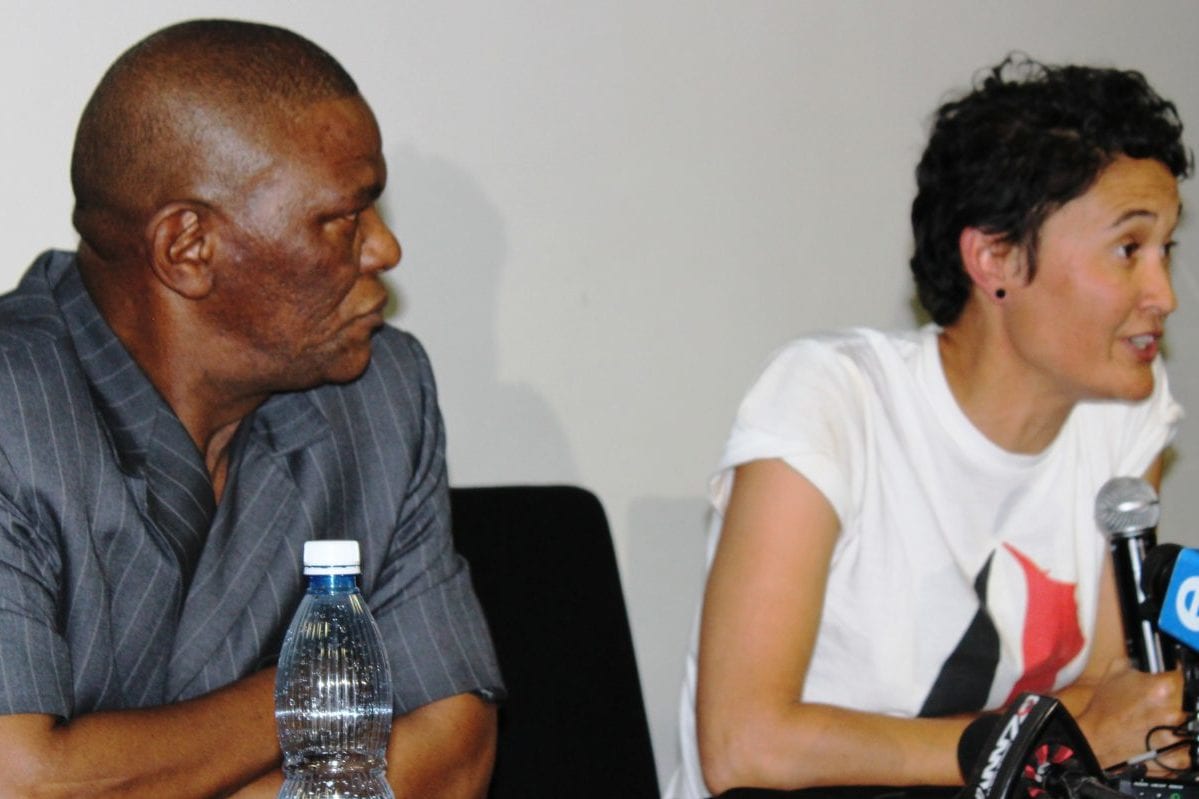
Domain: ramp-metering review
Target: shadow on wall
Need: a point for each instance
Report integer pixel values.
(663, 583)
(447, 293)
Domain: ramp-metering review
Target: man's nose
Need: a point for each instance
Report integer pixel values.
(380, 248)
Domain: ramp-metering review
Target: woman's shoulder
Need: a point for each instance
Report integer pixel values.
(845, 357)
(828, 384)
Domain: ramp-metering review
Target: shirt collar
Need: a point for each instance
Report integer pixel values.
(134, 412)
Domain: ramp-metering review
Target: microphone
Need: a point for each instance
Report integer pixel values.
(1127, 511)
(1171, 582)
(1034, 748)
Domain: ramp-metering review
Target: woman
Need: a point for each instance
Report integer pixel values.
(906, 535)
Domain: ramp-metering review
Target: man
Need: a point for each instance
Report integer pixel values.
(203, 386)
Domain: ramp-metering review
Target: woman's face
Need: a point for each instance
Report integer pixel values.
(1089, 323)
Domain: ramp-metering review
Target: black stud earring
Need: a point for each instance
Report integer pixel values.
(1000, 294)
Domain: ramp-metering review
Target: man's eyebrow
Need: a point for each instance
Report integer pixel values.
(362, 195)
(369, 193)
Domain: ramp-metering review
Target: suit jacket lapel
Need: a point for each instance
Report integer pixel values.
(161, 464)
(248, 547)
(257, 532)
(179, 498)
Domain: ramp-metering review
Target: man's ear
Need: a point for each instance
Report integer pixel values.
(181, 248)
(991, 260)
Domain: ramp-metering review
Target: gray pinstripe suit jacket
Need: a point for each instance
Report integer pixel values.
(122, 586)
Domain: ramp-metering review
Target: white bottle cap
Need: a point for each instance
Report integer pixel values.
(329, 556)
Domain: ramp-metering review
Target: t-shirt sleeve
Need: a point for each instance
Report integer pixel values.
(1137, 433)
(1153, 424)
(805, 409)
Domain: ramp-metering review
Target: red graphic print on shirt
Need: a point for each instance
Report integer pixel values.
(1052, 637)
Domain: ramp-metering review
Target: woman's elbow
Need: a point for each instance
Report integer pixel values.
(741, 754)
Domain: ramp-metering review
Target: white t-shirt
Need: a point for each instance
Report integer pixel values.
(963, 573)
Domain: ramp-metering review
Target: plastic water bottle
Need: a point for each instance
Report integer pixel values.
(333, 695)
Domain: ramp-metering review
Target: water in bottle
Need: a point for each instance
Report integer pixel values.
(333, 695)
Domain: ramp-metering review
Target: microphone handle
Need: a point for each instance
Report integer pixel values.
(1144, 644)
(1091, 788)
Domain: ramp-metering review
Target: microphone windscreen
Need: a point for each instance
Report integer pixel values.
(974, 738)
(1126, 506)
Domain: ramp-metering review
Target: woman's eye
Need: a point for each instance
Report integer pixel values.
(1129, 249)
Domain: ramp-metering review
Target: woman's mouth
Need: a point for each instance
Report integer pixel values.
(1143, 341)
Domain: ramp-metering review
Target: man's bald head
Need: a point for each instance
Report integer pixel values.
(173, 115)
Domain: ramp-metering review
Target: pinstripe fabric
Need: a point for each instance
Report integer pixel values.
(122, 586)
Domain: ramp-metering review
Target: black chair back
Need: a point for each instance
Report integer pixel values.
(574, 723)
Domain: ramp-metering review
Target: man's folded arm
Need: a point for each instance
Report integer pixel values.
(202, 747)
(445, 749)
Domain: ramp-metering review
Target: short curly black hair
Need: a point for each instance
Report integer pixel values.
(1026, 140)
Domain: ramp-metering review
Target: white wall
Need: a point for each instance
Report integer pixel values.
(612, 212)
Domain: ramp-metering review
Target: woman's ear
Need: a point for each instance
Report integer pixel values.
(991, 260)
(181, 248)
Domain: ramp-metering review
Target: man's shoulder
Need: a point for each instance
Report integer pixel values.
(397, 355)
(399, 345)
(30, 319)
(399, 375)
